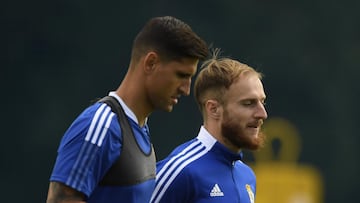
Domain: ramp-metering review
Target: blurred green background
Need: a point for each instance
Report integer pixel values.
(56, 56)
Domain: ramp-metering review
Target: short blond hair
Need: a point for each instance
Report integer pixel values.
(216, 75)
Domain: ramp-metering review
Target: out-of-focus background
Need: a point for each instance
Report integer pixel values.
(57, 56)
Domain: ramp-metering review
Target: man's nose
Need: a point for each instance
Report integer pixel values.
(261, 112)
(185, 87)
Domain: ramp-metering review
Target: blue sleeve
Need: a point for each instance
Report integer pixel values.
(88, 149)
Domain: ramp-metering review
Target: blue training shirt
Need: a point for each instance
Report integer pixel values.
(203, 171)
(89, 148)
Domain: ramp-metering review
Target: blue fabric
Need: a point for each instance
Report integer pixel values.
(197, 172)
(89, 148)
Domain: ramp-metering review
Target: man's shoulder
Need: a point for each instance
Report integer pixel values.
(92, 119)
(185, 156)
(96, 112)
(187, 150)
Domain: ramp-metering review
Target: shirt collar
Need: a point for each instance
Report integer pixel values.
(206, 138)
(212, 144)
(127, 110)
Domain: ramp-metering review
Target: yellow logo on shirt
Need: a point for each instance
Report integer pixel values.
(251, 193)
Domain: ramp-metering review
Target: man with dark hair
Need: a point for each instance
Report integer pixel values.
(106, 154)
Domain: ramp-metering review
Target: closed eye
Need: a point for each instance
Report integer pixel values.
(252, 102)
(248, 102)
(184, 75)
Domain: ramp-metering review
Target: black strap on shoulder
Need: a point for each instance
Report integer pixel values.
(133, 166)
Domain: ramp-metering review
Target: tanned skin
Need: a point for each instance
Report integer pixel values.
(60, 193)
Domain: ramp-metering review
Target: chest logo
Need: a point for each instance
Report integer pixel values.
(251, 193)
(216, 191)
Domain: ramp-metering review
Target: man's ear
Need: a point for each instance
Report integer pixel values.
(150, 61)
(213, 108)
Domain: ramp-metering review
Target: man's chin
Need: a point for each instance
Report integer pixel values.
(253, 142)
(168, 108)
(257, 142)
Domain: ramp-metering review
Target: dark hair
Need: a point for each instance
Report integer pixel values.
(171, 38)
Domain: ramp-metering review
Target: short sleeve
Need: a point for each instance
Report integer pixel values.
(88, 149)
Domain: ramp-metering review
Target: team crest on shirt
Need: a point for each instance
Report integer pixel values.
(250, 192)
